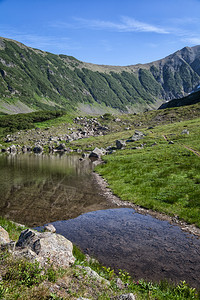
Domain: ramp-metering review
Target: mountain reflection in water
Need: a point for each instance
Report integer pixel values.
(37, 189)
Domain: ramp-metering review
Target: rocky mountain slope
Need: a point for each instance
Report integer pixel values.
(193, 98)
(32, 79)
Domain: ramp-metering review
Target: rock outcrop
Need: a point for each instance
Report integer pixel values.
(46, 247)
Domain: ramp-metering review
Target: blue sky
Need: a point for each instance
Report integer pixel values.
(114, 32)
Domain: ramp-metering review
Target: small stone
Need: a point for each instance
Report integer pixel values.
(185, 131)
(49, 228)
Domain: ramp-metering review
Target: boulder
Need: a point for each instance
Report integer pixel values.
(45, 248)
(120, 144)
(137, 136)
(38, 149)
(24, 149)
(12, 149)
(4, 236)
(97, 153)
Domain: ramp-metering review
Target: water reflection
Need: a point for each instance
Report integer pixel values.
(37, 189)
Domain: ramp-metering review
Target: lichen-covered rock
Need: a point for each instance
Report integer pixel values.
(45, 247)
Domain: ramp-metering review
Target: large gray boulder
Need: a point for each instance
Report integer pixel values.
(45, 248)
(4, 236)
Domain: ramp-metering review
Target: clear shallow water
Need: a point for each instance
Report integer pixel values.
(144, 246)
(35, 190)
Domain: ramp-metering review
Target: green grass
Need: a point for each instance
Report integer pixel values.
(164, 177)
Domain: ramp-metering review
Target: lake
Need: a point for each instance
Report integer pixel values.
(39, 189)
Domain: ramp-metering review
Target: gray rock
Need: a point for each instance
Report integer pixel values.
(95, 275)
(97, 153)
(4, 236)
(120, 144)
(38, 149)
(45, 248)
(119, 283)
(12, 149)
(49, 228)
(137, 136)
(129, 296)
(185, 131)
(24, 149)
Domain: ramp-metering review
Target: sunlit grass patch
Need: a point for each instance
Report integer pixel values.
(163, 178)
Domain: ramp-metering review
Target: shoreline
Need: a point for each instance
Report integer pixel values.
(107, 192)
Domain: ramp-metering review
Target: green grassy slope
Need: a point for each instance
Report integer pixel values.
(41, 80)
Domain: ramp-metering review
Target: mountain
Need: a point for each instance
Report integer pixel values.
(193, 98)
(31, 79)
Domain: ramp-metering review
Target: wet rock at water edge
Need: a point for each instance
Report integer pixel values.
(45, 248)
(49, 228)
(12, 149)
(38, 149)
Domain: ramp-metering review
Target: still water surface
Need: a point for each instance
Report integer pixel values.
(38, 189)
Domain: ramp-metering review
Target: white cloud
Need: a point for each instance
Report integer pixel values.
(125, 25)
(134, 25)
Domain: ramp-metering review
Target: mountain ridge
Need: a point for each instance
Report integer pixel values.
(39, 80)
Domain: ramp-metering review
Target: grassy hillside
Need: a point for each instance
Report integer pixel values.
(31, 79)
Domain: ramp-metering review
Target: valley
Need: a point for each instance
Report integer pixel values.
(78, 140)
